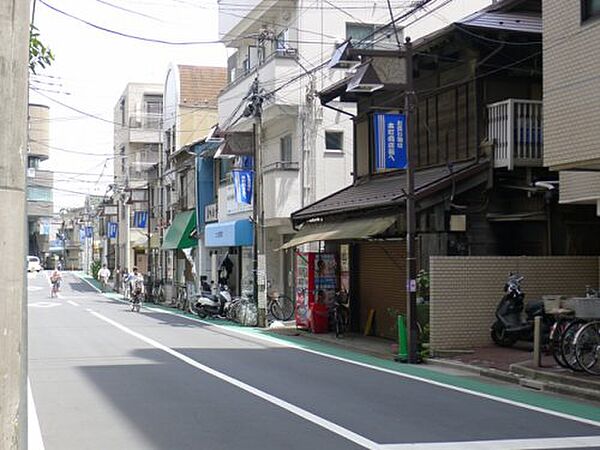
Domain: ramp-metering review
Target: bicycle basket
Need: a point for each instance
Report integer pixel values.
(585, 308)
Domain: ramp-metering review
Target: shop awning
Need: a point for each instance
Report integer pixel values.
(236, 233)
(349, 229)
(138, 238)
(178, 234)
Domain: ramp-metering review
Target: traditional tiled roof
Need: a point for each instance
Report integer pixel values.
(200, 86)
(387, 190)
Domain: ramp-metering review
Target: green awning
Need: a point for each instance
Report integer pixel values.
(178, 234)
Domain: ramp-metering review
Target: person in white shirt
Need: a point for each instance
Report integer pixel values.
(103, 276)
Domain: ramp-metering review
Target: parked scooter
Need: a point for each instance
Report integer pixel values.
(511, 324)
(212, 305)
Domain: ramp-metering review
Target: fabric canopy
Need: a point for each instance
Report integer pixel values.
(178, 234)
(349, 229)
(138, 238)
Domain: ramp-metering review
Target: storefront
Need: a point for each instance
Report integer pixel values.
(178, 239)
(230, 246)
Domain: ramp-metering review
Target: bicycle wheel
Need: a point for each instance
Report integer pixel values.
(282, 308)
(567, 345)
(556, 334)
(587, 347)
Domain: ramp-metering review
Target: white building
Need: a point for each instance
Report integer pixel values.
(306, 149)
(137, 141)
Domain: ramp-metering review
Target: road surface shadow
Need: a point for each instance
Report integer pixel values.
(176, 406)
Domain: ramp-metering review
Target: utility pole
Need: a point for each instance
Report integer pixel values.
(411, 219)
(14, 46)
(258, 251)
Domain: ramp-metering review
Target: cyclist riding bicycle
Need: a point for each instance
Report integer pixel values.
(103, 276)
(55, 279)
(135, 281)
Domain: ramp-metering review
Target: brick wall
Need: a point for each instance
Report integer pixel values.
(571, 84)
(464, 291)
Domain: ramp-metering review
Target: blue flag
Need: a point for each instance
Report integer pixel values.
(243, 185)
(112, 229)
(140, 218)
(89, 232)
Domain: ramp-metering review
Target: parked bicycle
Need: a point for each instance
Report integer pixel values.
(341, 313)
(280, 306)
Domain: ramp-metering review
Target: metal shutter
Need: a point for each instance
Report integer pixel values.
(381, 284)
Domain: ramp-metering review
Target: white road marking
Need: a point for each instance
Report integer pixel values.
(392, 372)
(384, 370)
(44, 304)
(324, 423)
(34, 432)
(508, 444)
(71, 302)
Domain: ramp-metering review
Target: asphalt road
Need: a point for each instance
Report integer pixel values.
(103, 377)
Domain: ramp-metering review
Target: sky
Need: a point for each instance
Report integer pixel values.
(92, 68)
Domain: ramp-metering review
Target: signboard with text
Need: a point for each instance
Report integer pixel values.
(390, 141)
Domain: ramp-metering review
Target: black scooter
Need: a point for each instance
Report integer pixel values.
(511, 325)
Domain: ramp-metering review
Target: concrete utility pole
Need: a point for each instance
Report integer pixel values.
(14, 47)
(411, 219)
(258, 250)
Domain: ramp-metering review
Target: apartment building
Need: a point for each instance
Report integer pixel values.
(40, 182)
(572, 103)
(190, 111)
(137, 143)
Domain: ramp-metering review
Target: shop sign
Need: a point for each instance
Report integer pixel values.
(233, 207)
(390, 141)
(211, 213)
(243, 183)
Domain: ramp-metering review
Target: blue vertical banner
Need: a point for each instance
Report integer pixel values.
(243, 184)
(112, 230)
(140, 219)
(390, 141)
(89, 232)
(81, 234)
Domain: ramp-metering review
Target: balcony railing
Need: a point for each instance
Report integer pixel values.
(515, 129)
(148, 121)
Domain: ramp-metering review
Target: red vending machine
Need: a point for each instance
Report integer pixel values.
(316, 284)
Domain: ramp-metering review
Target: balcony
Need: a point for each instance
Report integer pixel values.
(144, 128)
(277, 66)
(515, 129)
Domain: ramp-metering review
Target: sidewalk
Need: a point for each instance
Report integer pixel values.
(513, 365)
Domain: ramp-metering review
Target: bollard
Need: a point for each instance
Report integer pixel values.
(402, 340)
(537, 341)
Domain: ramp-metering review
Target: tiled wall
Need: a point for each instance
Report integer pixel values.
(464, 291)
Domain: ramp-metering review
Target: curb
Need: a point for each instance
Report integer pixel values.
(496, 374)
(588, 390)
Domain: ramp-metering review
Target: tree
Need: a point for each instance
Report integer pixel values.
(39, 54)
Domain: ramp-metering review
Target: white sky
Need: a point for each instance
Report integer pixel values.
(94, 66)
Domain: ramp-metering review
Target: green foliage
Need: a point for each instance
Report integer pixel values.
(423, 284)
(39, 54)
(95, 268)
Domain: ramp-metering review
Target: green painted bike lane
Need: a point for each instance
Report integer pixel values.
(513, 394)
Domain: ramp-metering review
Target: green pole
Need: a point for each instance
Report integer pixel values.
(402, 341)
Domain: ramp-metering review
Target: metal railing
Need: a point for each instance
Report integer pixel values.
(147, 121)
(515, 129)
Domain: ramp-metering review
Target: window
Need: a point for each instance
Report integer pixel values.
(590, 9)
(334, 141)
(282, 42)
(122, 111)
(33, 162)
(285, 146)
(361, 34)
(225, 166)
(153, 109)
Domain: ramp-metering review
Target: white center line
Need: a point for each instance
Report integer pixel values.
(34, 433)
(324, 423)
(71, 302)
